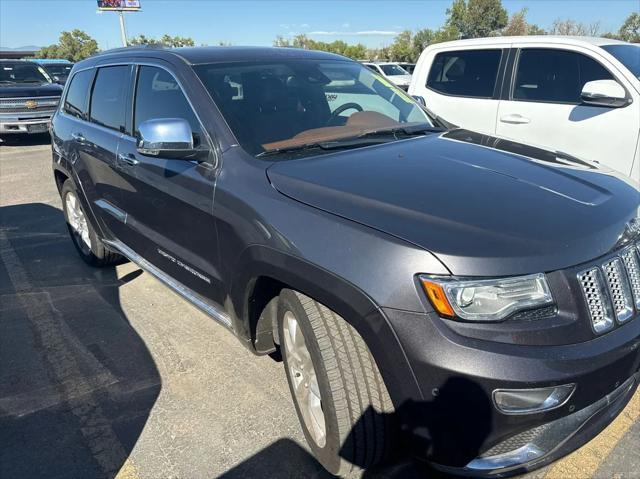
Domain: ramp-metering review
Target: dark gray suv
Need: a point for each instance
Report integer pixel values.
(469, 299)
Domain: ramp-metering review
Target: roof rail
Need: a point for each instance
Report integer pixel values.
(134, 47)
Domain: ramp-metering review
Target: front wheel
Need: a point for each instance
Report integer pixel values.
(340, 397)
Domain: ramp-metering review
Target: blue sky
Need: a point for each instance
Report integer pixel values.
(372, 22)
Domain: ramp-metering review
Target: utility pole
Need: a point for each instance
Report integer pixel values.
(123, 31)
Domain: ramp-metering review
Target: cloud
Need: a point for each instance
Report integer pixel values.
(346, 25)
(363, 33)
(304, 25)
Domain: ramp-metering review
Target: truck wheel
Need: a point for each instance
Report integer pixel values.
(341, 400)
(81, 231)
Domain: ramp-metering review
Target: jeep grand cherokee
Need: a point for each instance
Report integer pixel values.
(470, 297)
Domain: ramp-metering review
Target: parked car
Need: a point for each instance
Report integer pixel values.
(28, 97)
(475, 296)
(392, 72)
(408, 67)
(574, 95)
(58, 69)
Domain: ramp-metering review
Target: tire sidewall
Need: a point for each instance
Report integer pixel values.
(329, 455)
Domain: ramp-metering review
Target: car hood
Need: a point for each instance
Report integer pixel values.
(484, 206)
(400, 79)
(20, 90)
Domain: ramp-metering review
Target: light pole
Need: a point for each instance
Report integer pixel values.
(123, 30)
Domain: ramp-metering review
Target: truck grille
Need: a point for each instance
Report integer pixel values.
(28, 105)
(612, 289)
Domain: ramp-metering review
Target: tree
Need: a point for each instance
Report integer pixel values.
(630, 29)
(401, 50)
(518, 25)
(573, 28)
(166, 40)
(476, 18)
(73, 46)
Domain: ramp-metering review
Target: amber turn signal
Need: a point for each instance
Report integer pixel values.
(438, 298)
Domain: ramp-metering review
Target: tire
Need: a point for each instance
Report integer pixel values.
(355, 403)
(89, 246)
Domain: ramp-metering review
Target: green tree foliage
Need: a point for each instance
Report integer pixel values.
(357, 51)
(477, 18)
(166, 40)
(630, 29)
(73, 46)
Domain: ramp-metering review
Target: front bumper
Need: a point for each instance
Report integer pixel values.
(455, 424)
(25, 123)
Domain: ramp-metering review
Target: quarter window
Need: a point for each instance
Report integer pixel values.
(158, 95)
(469, 73)
(555, 76)
(108, 97)
(75, 102)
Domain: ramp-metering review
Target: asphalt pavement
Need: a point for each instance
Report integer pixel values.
(107, 373)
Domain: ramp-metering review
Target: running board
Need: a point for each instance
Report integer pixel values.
(190, 295)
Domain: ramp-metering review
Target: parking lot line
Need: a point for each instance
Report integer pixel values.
(585, 462)
(128, 470)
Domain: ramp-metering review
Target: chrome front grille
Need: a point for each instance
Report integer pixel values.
(28, 105)
(631, 260)
(612, 289)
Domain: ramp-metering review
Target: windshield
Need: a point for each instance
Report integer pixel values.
(284, 104)
(58, 69)
(628, 55)
(393, 70)
(23, 73)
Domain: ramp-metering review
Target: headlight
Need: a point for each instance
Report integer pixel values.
(487, 299)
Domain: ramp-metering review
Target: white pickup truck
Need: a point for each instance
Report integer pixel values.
(579, 96)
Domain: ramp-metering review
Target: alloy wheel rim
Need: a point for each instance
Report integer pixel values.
(304, 379)
(76, 218)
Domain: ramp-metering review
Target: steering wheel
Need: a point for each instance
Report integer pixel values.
(342, 108)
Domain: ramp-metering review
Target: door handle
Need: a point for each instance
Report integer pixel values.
(79, 137)
(515, 119)
(128, 159)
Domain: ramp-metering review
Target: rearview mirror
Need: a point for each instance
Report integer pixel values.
(604, 93)
(170, 137)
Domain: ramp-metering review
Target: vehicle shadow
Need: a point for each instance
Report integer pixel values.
(25, 140)
(461, 409)
(77, 383)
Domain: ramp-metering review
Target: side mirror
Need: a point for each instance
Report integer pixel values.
(419, 99)
(170, 137)
(607, 93)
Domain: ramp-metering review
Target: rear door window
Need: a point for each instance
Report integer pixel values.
(555, 76)
(468, 73)
(75, 103)
(108, 98)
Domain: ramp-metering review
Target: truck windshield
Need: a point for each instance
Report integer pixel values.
(277, 106)
(23, 73)
(393, 70)
(628, 55)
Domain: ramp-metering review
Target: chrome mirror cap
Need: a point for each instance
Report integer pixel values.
(165, 136)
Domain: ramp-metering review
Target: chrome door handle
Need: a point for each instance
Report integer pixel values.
(128, 159)
(79, 137)
(515, 119)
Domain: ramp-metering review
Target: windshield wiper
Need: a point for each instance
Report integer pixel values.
(404, 130)
(324, 145)
(372, 137)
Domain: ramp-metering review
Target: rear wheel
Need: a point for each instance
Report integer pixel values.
(341, 400)
(84, 238)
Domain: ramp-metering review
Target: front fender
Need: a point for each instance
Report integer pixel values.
(354, 305)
